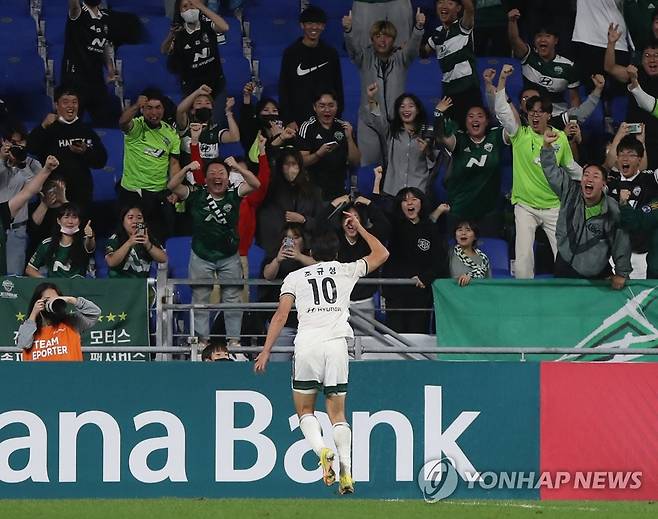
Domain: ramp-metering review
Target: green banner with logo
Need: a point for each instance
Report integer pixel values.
(123, 320)
(580, 314)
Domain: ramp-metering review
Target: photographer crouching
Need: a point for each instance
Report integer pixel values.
(51, 333)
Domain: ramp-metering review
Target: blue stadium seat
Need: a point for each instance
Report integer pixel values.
(156, 28)
(102, 268)
(269, 67)
(178, 251)
(255, 256)
(334, 8)
(141, 7)
(14, 8)
(424, 78)
(55, 28)
(144, 66)
(263, 9)
(237, 73)
(105, 179)
(21, 72)
(498, 253)
(18, 33)
(270, 36)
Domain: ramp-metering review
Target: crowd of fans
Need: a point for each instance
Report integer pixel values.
(593, 191)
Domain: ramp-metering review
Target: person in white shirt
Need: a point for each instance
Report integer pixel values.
(321, 295)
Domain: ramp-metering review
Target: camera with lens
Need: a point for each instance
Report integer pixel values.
(19, 153)
(56, 307)
(427, 132)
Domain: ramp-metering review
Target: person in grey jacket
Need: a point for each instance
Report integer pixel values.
(16, 170)
(588, 228)
(384, 64)
(50, 333)
(410, 153)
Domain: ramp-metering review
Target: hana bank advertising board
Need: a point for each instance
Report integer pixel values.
(421, 430)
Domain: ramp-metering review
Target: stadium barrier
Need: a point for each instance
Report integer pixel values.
(475, 430)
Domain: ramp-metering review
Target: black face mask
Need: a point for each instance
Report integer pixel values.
(202, 115)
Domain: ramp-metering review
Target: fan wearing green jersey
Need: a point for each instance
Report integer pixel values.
(473, 179)
(215, 210)
(551, 74)
(535, 203)
(452, 44)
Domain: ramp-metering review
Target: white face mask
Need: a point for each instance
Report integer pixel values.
(190, 16)
(68, 230)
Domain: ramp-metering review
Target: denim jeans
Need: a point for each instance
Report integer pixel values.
(224, 269)
(16, 245)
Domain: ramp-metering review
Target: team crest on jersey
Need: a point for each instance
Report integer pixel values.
(423, 244)
(339, 136)
(650, 207)
(227, 208)
(637, 190)
(558, 69)
(488, 146)
(205, 37)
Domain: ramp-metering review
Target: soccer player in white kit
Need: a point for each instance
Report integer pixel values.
(321, 295)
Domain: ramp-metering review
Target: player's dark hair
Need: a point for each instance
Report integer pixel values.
(481, 107)
(217, 160)
(651, 44)
(630, 143)
(545, 104)
(264, 101)
(325, 245)
(15, 127)
(415, 192)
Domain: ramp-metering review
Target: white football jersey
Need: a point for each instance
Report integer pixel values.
(322, 298)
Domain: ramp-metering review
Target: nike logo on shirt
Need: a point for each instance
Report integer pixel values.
(302, 72)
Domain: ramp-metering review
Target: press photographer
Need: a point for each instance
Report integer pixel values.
(51, 332)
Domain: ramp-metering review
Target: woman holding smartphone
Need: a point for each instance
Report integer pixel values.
(131, 251)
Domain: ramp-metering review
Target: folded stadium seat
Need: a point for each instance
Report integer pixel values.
(232, 149)
(141, 7)
(17, 33)
(267, 9)
(237, 72)
(106, 179)
(497, 251)
(424, 78)
(144, 66)
(156, 28)
(619, 109)
(21, 72)
(334, 8)
(13, 9)
(365, 178)
(270, 36)
(351, 107)
(178, 252)
(55, 27)
(232, 45)
(255, 256)
(351, 77)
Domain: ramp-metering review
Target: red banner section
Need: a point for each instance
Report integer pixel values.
(599, 430)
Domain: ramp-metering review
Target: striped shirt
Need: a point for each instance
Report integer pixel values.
(551, 78)
(454, 50)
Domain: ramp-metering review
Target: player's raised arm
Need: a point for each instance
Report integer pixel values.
(378, 253)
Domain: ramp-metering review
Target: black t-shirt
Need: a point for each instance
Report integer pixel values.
(330, 171)
(636, 115)
(5, 222)
(84, 45)
(644, 190)
(196, 58)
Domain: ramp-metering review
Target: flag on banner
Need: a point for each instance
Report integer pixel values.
(582, 314)
(123, 320)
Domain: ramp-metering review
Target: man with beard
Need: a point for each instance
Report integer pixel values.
(535, 203)
(151, 156)
(588, 227)
(215, 210)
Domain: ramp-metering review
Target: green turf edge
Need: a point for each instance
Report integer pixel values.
(341, 508)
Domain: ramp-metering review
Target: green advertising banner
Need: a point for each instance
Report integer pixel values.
(216, 430)
(582, 314)
(123, 320)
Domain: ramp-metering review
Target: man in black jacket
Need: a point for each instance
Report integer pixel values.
(74, 143)
(307, 66)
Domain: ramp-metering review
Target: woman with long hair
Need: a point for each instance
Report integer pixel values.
(50, 333)
(67, 252)
(131, 251)
(291, 199)
(411, 147)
